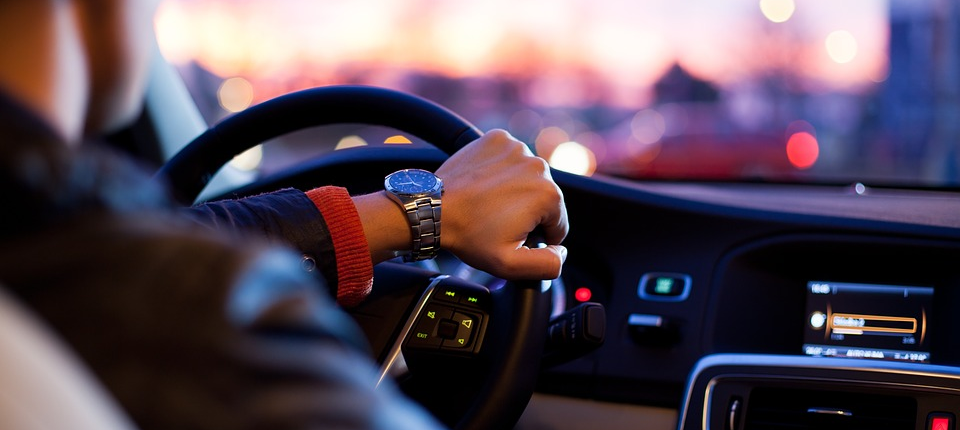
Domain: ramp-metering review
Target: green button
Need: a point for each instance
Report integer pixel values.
(664, 286)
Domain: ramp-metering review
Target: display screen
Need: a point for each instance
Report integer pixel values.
(885, 322)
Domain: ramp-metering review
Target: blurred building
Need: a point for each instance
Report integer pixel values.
(920, 113)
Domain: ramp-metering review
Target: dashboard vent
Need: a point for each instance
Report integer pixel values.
(772, 408)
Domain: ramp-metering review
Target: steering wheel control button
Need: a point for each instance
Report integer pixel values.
(424, 339)
(425, 334)
(447, 294)
(664, 287)
(471, 298)
(467, 297)
(466, 325)
(447, 329)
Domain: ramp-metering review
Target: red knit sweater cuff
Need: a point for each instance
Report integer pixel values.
(354, 266)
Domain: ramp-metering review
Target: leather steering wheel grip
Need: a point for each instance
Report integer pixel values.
(188, 172)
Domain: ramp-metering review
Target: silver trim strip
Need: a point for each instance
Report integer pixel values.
(799, 361)
(395, 350)
(707, 403)
(732, 414)
(830, 411)
(645, 320)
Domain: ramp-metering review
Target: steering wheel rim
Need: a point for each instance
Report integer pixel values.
(505, 393)
(189, 171)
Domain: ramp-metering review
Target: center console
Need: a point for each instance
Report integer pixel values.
(830, 332)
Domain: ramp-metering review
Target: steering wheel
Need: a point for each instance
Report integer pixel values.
(509, 324)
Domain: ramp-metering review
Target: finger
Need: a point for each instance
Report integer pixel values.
(535, 263)
(554, 223)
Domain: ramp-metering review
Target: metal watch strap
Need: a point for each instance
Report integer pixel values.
(424, 218)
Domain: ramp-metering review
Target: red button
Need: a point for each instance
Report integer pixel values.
(940, 421)
(583, 294)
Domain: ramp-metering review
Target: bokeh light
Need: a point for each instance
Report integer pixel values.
(352, 141)
(802, 150)
(525, 123)
(174, 41)
(559, 49)
(777, 10)
(248, 160)
(235, 94)
(572, 157)
(841, 46)
(648, 126)
(398, 140)
(549, 139)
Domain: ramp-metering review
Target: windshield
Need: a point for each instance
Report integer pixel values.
(772, 90)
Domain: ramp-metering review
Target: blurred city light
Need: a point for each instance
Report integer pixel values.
(802, 150)
(549, 139)
(524, 123)
(248, 160)
(235, 94)
(777, 10)
(568, 53)
(841, 46)
(351, 141)
(572, 157)
(800, 126)
(645, 153)
(595, 143)
(172, 36)
(648, 126)
(398, 140)
(649, 88)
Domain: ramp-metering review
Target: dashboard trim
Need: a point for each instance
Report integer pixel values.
(395, 357)
(803, 362)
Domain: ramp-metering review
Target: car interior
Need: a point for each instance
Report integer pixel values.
(784, 301)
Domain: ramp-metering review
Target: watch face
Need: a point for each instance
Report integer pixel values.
(413, 181)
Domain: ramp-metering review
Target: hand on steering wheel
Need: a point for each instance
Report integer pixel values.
(490, 182)
(496, 193)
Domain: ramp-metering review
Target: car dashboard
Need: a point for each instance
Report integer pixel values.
(728, 301)
(720, 294)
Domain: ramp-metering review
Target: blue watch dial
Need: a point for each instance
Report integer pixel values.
(412, 181)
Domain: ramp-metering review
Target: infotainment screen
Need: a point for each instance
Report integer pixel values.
(886, 322)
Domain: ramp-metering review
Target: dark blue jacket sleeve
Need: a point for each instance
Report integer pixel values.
(287, 216)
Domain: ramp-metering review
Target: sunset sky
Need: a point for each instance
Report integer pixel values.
(628, 43)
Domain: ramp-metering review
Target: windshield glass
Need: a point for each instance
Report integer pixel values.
(777, 90)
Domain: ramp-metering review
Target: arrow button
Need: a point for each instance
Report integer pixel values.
(467, 325)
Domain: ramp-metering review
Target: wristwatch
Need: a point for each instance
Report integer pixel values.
(418, 194)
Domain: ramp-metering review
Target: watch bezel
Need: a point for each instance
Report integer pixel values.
(435, 189)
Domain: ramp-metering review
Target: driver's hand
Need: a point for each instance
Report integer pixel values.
(495, 193)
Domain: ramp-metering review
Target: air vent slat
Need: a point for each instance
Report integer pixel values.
(772, 408)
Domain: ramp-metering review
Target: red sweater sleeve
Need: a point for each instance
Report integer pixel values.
(354, 266)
